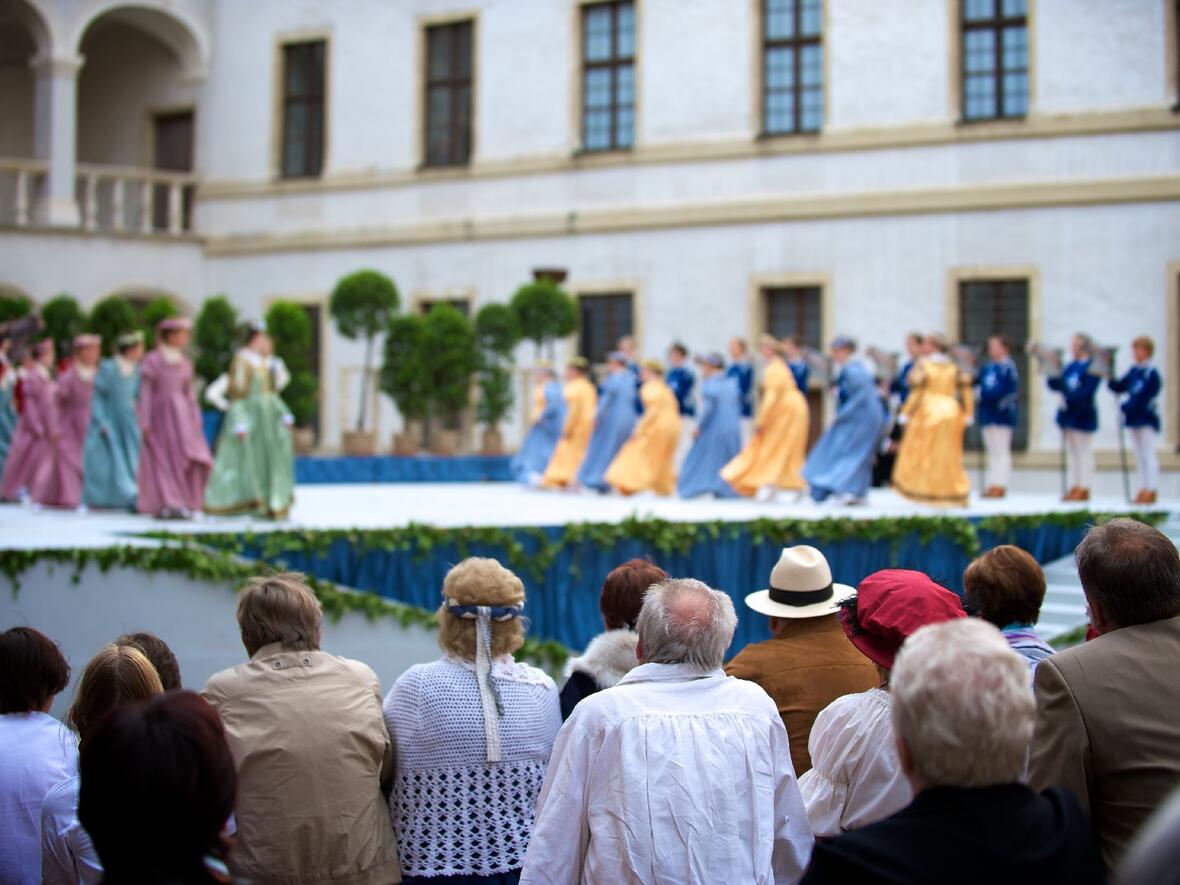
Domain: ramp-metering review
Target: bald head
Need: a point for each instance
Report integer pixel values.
(685, 622)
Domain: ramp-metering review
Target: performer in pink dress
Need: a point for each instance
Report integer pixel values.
(29, 469)
(174, 460)
(75, 388)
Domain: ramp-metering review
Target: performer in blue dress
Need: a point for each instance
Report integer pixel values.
(842, 461)
(996, 412)
(741, 369)
(530, 462)
(1142, 385)
(681, 380)
(1078, 417)
(613, 422)
(793, 354)
(719, 433)
(626, 347)
(111, 458)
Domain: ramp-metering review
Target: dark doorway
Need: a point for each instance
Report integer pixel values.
(173, 152)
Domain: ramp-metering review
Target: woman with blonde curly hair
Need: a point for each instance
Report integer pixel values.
(472, 733)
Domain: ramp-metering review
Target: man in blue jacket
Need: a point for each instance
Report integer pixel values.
(1142, 385)
(1077, 417)
(999, 392)
(680, 379)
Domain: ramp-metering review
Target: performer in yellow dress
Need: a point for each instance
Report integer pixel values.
(647, 461)
(773, 459)
(581, 399)
(941, 403)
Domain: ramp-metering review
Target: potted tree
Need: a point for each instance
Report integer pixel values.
(214, 335)
(361, 306)
(13, 306)
(155, 312)
(544, 312)
(63, 320)
(109, 319)
(289, 327)
(448, 342)
(404, 377)
(496, 334)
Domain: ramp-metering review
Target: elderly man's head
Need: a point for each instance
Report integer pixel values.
(685, 622)
(1130, 573)
(279, 608)
(963, 711)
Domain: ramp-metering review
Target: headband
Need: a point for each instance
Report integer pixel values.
(489, 691)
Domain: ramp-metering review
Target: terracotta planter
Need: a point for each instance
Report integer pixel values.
(304, 440)
(445, 442)
(492, 442)
(359, 442)
(405, 444)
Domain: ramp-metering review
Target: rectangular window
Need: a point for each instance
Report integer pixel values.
(997, 307)
(608, 76)
(796, 311)
(303, 109)
(605, 319)
(995, 59)
(792, 66)
(448, 94)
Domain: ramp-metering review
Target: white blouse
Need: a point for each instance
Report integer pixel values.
(856, 777)
(67, 855)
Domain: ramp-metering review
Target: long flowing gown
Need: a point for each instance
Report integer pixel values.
(929, 464)
(613, 424)
(774, 455)
(32, 463)
(7, 409)
(254, 470)
(842, 461)
(541, 440)
(580, 401)
(718, 441)
(112, 442)
(174, 459)
(75, 389)
(647, 461)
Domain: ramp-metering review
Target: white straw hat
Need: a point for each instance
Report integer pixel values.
(800, 587)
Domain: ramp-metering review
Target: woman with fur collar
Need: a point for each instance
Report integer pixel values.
(611, 655)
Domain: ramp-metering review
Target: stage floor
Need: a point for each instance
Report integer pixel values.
(452, 505)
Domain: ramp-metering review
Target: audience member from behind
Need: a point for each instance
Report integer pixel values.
(677, 774)
(309, 740)
(158, 785)
(36, 751)
(963, 716)
(117, 675)
(1107, 726)
(1006, 587)
(611, 655)
(856, 777)
(808, 662)
(472, 734)
(157, 651)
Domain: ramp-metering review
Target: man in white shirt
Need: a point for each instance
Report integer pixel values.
(678, 774)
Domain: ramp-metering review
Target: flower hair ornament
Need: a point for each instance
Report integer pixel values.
(489, 691)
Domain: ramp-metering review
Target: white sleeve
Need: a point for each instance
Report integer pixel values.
(793, 839)
(561, 835)
(825, 786)
(281, 374)
(216, 392)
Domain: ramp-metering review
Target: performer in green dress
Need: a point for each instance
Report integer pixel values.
(111, 458)
(254, 469)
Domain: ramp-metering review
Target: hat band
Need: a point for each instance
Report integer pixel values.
(800, 598)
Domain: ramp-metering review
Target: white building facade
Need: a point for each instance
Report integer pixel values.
(698, 168)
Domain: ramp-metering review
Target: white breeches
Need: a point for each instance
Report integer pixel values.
(1079, 458)
(1147, 462)
(688, 426)
(997, 440)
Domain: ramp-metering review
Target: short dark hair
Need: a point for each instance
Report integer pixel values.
(157, 786)
(1005, 341)
(624, 589)
(1131, 571)
(32, 670)
(1004, 586)
(157, 651)
(679, 348)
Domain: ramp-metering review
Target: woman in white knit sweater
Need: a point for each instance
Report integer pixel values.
(472, 733)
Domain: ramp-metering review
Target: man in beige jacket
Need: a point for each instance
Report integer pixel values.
(1107, 721)
(309, 740)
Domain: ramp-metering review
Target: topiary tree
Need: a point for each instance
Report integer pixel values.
(496, 334)
(544, 312)
(289, 327)
(361, 306)
(155, 312)
(63, 320)
(449, 355)
(214, 335)
(110, 318)
(404, 375)
(13, 305)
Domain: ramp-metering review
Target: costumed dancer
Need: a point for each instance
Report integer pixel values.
(1142, 385)
(31, 472)
(626, 347)
(742, 371)
(718, 434)
(647, 461)
(899, 391)
(937, 410)
(530, 462)
(112, 442)
(681, 380)
(999, 394)
(796, 362)
(174, 460)
(580, 401)
(613, 423)
(1077, 417)
(842, 461)
(7, 402)
(75, 389)
(772, 461)
(254, 468)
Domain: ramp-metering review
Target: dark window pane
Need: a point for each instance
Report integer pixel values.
(448, 94)
(303, 109)
(794, 310)
(440, 53)
(605, 319)
(998, 307)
